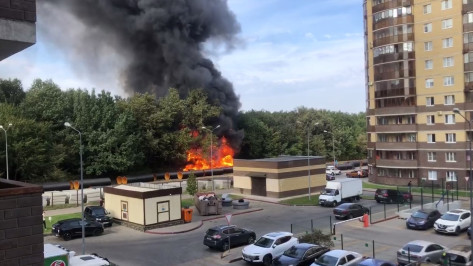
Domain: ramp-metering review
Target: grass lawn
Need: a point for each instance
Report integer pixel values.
(314, 200)
(56, 218)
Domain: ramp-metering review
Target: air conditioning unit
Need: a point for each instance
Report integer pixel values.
(439, 113)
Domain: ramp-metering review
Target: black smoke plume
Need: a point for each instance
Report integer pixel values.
(160, 43)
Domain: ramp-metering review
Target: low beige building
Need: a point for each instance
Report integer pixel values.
(144, 208)
(279, 177)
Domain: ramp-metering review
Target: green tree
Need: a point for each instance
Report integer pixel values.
(191, 184)
(11, 91)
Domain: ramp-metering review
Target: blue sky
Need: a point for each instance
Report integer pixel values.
(291, 54)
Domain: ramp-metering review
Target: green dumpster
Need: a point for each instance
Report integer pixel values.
(55, 256)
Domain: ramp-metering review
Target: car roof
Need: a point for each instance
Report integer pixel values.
(274, 235)
(426, 210)
(458, 211)
(460, 249)
(222, 227)
(373, 261)
(95, 207)
(70, 220)
(305, 245)
(338, 253)
(420, 242)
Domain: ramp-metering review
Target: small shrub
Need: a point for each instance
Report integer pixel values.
(191, 184)
(317, 237)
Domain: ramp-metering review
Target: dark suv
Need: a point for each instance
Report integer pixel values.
(226, 236)
(70, 228)
(97, 213)
(392, 196)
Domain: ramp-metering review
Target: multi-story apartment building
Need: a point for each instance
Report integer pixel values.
(419, 67)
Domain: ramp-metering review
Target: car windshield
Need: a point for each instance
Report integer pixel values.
(328, 191)
(264, 242)
(294, 252)
(211, 232)
(99, 212)
(421, 215)
(412, 248)
(450, 217)
(326, 260)
(344, 206)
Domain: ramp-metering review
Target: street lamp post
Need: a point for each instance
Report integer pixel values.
(333, 145)
(308, 155)
(470, 179)
(67, 124)
(211, 155)
(6, 147)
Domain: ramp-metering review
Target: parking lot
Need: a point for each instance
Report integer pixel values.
(126, 246)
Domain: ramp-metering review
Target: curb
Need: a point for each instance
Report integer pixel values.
(201, 223)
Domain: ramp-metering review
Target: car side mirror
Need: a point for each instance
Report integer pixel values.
(274, 245)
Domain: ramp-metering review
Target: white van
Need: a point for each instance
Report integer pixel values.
(332, 170)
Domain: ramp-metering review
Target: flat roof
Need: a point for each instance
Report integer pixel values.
(286, 158)
(135, 188)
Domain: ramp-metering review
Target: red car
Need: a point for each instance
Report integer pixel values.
(356, 173)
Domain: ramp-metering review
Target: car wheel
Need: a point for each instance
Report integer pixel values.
(251, 240)
(225, 246)
(378, 201)
(457, 230)
(267, 260)
(67, 236)
(98, 232)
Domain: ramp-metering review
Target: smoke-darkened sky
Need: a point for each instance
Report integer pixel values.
(279, 54)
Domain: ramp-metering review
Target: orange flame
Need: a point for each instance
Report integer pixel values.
(222, 156)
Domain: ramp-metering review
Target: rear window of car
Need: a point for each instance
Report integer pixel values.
(212, 232)
(412, 248)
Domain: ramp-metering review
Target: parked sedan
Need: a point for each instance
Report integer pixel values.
(375, 262)
(69, 228)
(349, 211)
(423, 219)
(302, 254)
(338, 257)
(226, 236)
(420, 251)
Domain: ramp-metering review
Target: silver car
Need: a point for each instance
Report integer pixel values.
(420, 251)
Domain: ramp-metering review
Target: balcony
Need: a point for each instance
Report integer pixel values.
(391, 4)
(396, 146)
(396, 163)
(395, 128)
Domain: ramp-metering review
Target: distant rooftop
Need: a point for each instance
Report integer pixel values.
(285, 158)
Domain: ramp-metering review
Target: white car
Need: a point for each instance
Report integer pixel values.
(268, 247)
(338, 257)
(331, 170)
(453, 222)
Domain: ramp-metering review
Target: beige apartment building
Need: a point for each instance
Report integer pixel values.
(419, 67)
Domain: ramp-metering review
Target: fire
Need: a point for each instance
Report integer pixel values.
(222, 156)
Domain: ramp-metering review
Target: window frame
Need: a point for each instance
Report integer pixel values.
(429, 83)
(447, 23)
(428, 27)
(429, 64)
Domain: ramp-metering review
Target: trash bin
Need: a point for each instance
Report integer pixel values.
(187, 215)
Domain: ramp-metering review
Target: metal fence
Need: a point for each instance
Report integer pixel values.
(324, 224)
(370, 248)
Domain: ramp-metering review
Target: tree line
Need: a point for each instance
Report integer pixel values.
(144, 134)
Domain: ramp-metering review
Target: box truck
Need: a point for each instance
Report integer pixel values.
(341, 190)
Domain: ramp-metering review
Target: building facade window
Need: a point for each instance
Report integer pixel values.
(432, 175)
(429, 101)
(431, 156)
(430, 120)
(450, 157)
(451, 176)
(429, 83)
(450, 138)
(428, 27)
(428, 46)
(469, 77)
(446, 4)
(429, 64)
(430, 138)
(427, 9)
(448, 81)
(447, 23)
(450, 119)
(468, 18)
(411, 138)
(449, 100)
(447, 42)
(448, 61)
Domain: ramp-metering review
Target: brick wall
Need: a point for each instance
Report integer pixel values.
(24, 10)
(21, 225)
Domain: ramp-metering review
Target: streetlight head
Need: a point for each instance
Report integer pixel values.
(217, 127)
(204, 128)
(316, 123)
(67, 124)
(456, 110)
(325, 131)
(9, 124)
(1, 127)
